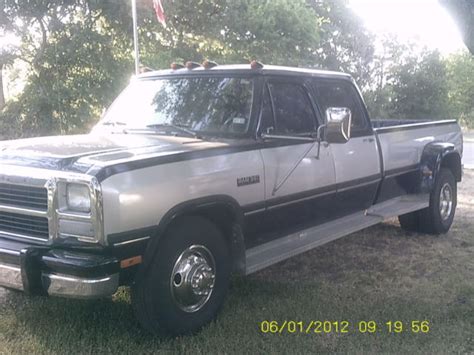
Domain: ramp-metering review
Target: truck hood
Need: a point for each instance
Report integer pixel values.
(80, 153)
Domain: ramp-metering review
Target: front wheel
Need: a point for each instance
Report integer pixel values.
(438, 217)
(187, 281)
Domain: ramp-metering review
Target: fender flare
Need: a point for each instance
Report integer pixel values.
(197, 206)
(434, 156)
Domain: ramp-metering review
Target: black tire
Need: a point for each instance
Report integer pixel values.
(154, 301)
(430, 219)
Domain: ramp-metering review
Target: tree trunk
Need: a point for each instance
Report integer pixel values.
(2, 96)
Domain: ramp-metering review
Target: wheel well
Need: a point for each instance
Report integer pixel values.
(453, 162)
(224, 217)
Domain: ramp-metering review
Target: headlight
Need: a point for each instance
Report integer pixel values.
(78, 198)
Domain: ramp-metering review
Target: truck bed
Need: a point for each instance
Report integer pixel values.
(401, 143)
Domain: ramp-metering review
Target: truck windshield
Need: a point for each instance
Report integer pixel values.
(183, 106)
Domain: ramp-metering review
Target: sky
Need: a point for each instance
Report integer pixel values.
(426, 21)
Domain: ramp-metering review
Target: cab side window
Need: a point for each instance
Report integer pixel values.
(293, 112)
(337, 93)
(266, 114)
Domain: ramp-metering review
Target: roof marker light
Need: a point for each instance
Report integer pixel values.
(192, 65)
(256, 65)
(176, 66)
(208, 64)
(144, 69)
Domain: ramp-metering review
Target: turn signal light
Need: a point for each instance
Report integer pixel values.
(130, 262)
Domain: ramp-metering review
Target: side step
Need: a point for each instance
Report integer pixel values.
(293, 244)
(399, 205)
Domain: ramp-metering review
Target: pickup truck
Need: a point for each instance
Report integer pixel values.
(198, 173)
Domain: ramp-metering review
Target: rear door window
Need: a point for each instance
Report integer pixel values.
(292, 109)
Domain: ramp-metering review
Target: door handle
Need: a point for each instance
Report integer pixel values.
(369, 140)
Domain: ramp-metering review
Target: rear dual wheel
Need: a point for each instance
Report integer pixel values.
(438, 217)
(187, 281)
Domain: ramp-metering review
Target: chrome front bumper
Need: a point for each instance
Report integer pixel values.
(57, 273)
(10, 277)
(62, 285)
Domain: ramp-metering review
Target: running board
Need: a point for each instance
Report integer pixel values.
(293, 244)
(399, 205)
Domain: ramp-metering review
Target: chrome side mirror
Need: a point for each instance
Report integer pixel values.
(338, 125)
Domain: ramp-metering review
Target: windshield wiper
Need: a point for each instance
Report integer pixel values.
(177, 127)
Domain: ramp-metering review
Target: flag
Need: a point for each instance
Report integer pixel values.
(160, 14)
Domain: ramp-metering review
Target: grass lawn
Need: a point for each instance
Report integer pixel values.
(379, 274)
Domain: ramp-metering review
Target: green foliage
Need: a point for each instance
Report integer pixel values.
(69, 90)
(419, 88)
(345, 44)
(79, 55)
(277, 32)
(80, 52)
(409, 84)
(274, 31)
(77, 68)
(461, 87)
(379, 102)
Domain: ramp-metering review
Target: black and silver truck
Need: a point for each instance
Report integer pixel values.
(197, 173)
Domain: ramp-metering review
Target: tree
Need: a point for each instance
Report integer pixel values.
(77, 65)
(419, 88)
(7, 54)
(310, 33)
(460, 68)
(345, 44)
(408, 82)
(277, 32)
(80, 51)
(6, 58)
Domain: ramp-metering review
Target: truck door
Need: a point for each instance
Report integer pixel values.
(357, 162)
(299, 187)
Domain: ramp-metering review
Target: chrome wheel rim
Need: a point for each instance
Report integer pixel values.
(193, 278)
(445, 201)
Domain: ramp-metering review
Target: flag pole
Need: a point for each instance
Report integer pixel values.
(135, 37)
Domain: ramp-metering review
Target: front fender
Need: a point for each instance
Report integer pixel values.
(209, 207)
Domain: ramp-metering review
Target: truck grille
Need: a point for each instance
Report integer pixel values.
(19, 224)
(24, 196)
(28, 199)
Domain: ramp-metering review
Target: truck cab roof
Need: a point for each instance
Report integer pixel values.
(246, 69)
